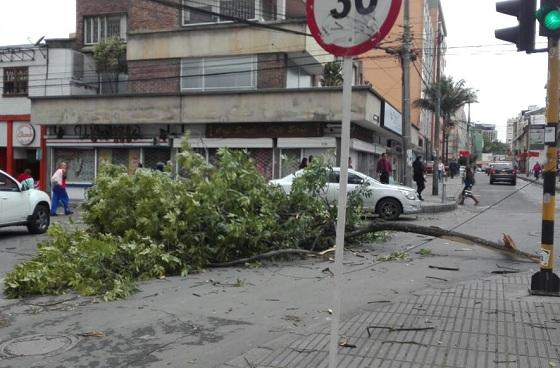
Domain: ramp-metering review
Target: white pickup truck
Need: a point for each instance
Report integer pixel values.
(21, 205)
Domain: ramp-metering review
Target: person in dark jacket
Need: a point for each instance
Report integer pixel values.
(467, 190)
(418, 176)
(384, 169)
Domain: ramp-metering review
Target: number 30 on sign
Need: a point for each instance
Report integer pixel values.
(351, 27)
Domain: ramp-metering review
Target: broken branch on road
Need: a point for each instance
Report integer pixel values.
(397, 329)
(442, 234)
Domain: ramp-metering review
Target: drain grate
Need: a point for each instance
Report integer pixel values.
(37, 345)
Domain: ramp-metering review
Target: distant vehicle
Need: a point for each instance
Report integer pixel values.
(429, 167)
(21, 205)
(503, 172)
(387, 200)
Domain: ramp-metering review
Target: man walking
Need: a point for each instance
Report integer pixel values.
(418, 176)
(384, 169)
(59, 194)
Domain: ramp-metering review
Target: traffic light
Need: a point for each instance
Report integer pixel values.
(549, 18)
(522, 35)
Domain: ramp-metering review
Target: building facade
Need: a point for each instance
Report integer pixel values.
(211, 74)
(29, 71)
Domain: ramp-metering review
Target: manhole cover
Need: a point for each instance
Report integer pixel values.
(37, 345)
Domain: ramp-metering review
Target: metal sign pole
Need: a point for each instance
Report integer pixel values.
(546, 282)
(341, 215)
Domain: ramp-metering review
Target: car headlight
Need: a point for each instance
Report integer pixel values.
(408, 194)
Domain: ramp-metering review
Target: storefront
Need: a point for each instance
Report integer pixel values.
(22, 146)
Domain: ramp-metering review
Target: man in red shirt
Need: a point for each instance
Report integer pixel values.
(384, 169)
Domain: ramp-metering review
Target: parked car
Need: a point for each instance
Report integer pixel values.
(387, 200)
(503, 172)
(21, 205)
(429, 167)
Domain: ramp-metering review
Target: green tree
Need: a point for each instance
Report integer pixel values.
(110, 61)
(496, 147)
(332, 74)
(453, 96)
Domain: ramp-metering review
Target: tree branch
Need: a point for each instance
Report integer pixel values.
(439, 233)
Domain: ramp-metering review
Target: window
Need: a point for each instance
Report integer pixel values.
(213, 11)
(98, 28)
(219, 73)
(7, 184)
(16, 81)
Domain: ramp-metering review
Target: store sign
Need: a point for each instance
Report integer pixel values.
(392, 119)
(536, 137)
(25, 134)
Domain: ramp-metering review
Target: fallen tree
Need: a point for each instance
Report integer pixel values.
(508, 247)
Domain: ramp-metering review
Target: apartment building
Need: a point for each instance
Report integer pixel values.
(243, 74)
(382, 67)
(28, 71)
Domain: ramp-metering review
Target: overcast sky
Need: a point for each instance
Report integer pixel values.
(507, 81)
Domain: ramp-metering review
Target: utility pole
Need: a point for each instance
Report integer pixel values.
(405, 62)
(435, 179)
(469, 136)
(546, 282)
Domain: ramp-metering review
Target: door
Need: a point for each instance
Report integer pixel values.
(354, 182)
(14, 204)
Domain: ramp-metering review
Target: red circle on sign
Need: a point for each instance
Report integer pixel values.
(362, 47)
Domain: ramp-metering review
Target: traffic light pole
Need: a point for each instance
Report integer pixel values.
(546, 282)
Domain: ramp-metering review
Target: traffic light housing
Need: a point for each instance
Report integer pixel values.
(549, 18)
(522, 35)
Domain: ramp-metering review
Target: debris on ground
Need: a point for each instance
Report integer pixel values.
(444, 268)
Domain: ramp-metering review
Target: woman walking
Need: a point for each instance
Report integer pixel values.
(467, 190)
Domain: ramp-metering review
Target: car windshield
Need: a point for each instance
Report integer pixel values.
(503, 166)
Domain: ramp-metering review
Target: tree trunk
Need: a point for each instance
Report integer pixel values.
(439, 233)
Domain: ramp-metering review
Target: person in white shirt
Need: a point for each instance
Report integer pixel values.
(441, 170)
(59, 194)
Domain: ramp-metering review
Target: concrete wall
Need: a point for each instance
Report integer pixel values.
(218, 40)
(303, 105)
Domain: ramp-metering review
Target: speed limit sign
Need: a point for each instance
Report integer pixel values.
(351, 27)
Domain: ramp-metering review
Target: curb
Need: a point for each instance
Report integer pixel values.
(536, 182)
(436, 208)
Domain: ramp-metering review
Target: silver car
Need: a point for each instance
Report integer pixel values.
(387, 200)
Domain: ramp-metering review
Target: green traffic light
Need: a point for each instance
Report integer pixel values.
(552, 20)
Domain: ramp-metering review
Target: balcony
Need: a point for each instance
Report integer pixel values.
(275, 105)
(227, 39)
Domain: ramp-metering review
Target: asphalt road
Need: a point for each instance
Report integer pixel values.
(207, 319)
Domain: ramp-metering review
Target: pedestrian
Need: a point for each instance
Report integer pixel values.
(384, 169)
(350, 163)
(537, 170)
(453, 169)
(441, 171)
(59, 194)
(26, 179)
(467, 189)
(303, 163)
(418, 176)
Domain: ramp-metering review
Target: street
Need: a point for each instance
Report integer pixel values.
(209, 319)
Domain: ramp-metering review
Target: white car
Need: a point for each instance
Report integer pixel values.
(20, 205)
(387, 200)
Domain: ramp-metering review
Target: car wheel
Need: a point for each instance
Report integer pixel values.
(389, 209)
(40, 220)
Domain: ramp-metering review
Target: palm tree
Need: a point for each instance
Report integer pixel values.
(453, 96)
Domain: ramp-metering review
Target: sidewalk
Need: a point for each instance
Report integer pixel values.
(491, 322)
(433, 204)
(532, 179)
